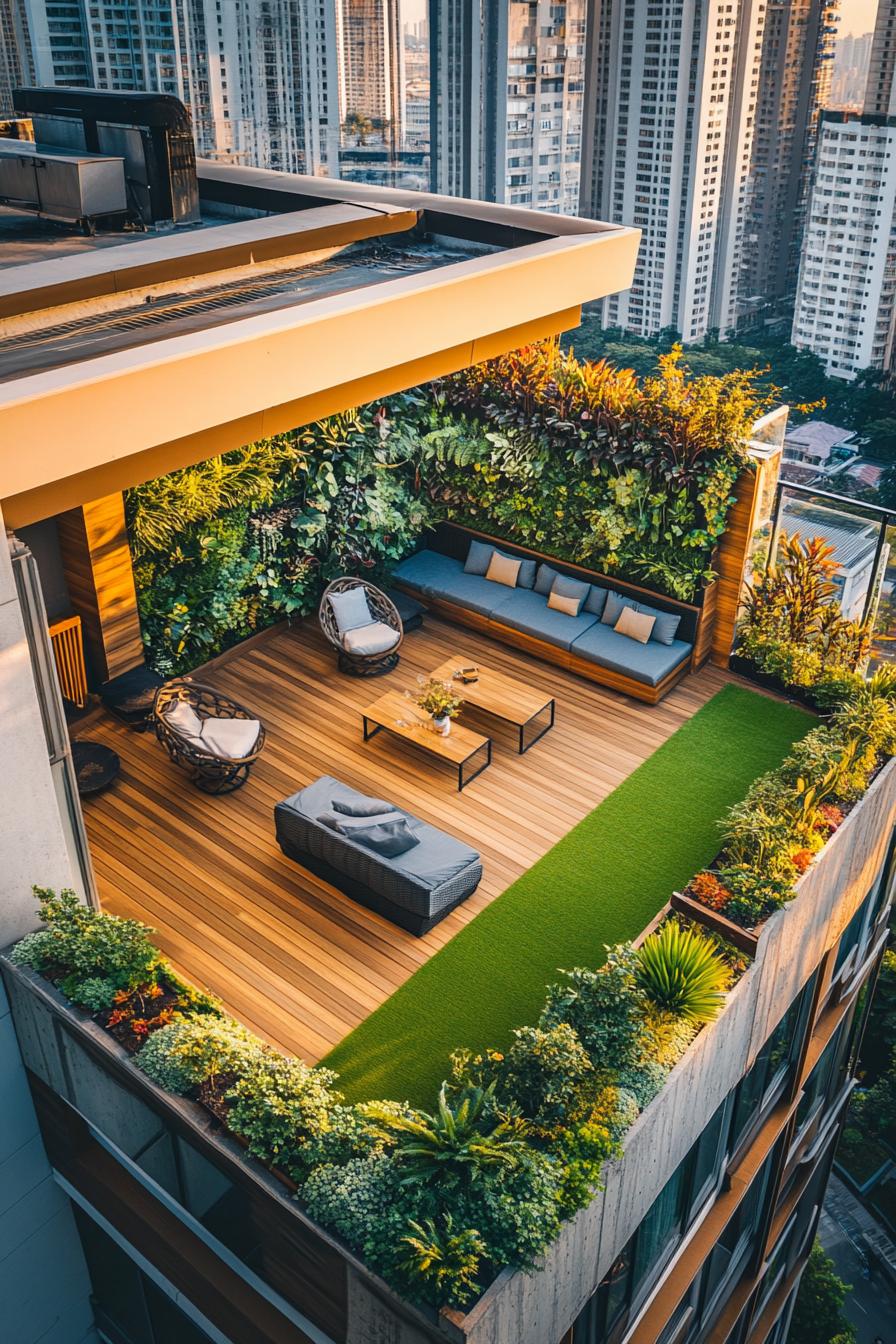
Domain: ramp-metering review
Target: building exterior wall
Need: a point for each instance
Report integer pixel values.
(507, 100)
(670, 106)
(258, 76)
(794, 84)
(846, 297)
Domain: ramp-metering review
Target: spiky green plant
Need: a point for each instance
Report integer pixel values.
(442, 1260)
(679, 970)
(455, 1146)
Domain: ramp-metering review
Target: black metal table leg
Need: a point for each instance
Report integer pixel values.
(524, 745)
(368, 731)
(461, 782)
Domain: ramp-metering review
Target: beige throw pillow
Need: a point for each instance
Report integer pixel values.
(635, 624)
(568, 605)
(503, 569)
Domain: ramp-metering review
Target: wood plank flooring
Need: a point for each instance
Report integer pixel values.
(291, 957)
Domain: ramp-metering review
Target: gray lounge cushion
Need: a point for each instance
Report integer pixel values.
(666, 623)
(526, 576)
(564, 586)
(375, 637)
(387, 833)
(360, 805)
(230, 739)
(648, 663)
(596, 600)
(479, 557)
(350, 609)
(530, 613)
(437, 576)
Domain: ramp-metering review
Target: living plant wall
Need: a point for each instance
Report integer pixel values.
(581, 460)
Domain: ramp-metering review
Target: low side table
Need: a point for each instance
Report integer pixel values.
(470, 753)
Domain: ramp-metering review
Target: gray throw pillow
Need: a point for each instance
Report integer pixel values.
(596, 600)
(479, 557)
(564, 586)
(526, 576)
(361, 806)
(544, 580)
(387, 834)
(613, 606)
(350, 609)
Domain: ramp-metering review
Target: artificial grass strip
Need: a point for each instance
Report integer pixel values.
(601, 884)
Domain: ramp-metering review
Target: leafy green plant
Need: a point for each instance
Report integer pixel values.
(81, 947)
(278, 1105)
(678, 969)
(457, 1143)
(440, 699)
(441, 1262)
(602, 1007)
(194, 1050)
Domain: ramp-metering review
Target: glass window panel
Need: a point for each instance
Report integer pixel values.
(660, 1230)
(116, 1284)
(851, 531)
(170, 1324)
(708, 1158)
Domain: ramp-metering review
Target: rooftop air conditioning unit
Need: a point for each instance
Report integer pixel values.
(61, 185)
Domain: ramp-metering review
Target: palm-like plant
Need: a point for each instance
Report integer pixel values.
(443, 1259)
(679, 970)
(464, 1139)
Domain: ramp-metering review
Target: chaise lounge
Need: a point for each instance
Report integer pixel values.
(329, 827)
(561, 612)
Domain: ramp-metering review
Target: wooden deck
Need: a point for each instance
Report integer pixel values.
(291, 957)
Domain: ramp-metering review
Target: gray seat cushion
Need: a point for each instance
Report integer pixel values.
(437, 576)
(530, 613)
(665, 623)
(377, 637)
(649, 662)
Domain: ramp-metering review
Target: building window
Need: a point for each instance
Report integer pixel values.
(773, 1066)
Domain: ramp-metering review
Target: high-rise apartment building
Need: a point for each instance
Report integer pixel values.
(371, 66)
(507, 81)
(794, 84)
(16, 58)
(672, 92)
(259, 76)
(850, 71)
(846, 300)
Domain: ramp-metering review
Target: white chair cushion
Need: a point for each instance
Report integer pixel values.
(350, 609)
(376, 637)
(184, 720)
(230, 738)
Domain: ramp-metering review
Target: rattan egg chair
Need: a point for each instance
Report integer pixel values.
(383, 635)
(210, 769)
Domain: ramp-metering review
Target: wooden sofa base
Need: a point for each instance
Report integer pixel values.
(551, 653)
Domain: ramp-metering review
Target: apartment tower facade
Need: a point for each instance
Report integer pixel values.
(258, 76)
(672, 90)
(371, 66)
(507, 83)
(846, 299)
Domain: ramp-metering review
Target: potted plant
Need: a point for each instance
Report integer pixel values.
(440, 700)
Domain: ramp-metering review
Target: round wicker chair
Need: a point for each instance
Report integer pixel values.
(382, 610)
(210, 772)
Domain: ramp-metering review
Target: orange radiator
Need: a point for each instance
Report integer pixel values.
(68, 650)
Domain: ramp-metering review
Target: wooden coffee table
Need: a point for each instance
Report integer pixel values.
(394, 713)
(504, 698)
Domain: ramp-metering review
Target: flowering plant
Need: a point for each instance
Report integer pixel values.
(440, 699)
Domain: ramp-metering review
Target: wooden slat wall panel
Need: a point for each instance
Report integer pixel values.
(731, 557)
(66, 638)
(296, 960)
(97, 562)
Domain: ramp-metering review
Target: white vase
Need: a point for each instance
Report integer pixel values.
(442, 726)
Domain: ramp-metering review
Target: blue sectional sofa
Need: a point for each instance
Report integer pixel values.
(586, 643)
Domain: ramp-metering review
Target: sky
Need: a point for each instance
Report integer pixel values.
(857, 16)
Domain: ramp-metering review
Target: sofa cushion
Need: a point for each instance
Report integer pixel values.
(530, 613)
(437, 576)
(479, 557)
(568, 605)
(377, 637)
(360, 805)
(648, 663)
(596, 600)
(184, 720)
(350, 609)
(526, 576)
(564, 586)
(503, 569)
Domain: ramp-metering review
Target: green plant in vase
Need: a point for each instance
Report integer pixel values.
(441, 701)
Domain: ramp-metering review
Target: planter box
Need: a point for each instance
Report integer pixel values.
(745, 940)
(745, 667)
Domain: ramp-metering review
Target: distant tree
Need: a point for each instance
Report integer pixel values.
(886, 490)
(359, 125)
(881, 436)
(818, 1314)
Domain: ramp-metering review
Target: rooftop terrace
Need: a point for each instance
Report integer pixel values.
(292, 957)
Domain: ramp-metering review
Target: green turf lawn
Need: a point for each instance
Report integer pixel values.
(601, 884)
